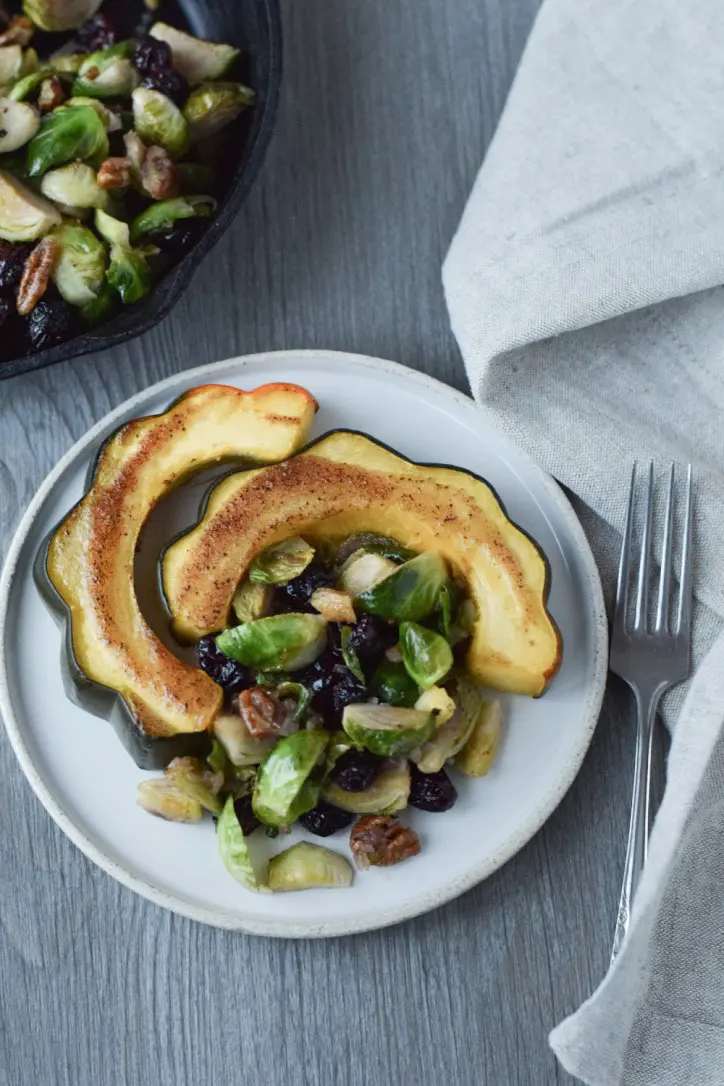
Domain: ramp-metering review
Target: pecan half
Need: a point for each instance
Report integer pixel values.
(159, 176)
(264, 714)
(51, 94)
(19, 32)
(115, 173)
(36, 275)
(382, 840)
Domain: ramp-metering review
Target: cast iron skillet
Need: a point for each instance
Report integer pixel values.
(255, 25)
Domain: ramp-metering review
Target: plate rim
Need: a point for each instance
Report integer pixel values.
(281, 928)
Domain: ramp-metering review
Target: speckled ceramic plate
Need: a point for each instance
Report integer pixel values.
(87, 782)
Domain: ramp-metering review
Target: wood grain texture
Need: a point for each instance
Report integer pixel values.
(387, 109)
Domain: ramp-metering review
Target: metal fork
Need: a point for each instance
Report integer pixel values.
(649, 660)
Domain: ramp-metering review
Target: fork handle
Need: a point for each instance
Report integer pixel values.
(638, 831)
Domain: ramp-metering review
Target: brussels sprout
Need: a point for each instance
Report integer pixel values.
(164, 214)
(426, 654)
(29, 83)
(196, 59)
(23, 215)
(161, 797)
(80, 266)
(410, 593)
(234, 850)
(371, 543)
(437, 700)
(360, 575)
(281, 563)
(350, 657)
(68, 63)
(11, 62)
(65, 135)
(478, 754)
(74, 185)
(113, 231)
(103, 112)
(453, 728)
(299, 694)
(60, 14)
(129, 274)
(305, 866)
(101, 309)
(251, 601)
(388, 794)
(196, 780)
(213, 106)
(107, 73)
(243, 749)
(285, 785)
(387, 730)
(19, 123)
(159, 121)
(278, 643)
(392, 685)
(333, 605)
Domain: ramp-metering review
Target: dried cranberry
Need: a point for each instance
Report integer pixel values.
(151, 55)
(227, 673)
(169, 82)
(431, 791)
(51, 322)
(295, 595)
(12, 263)
(370, 637)
(324, 819)
(346, 691)
(98, 33)
(356, 770)
(245, 813)
(6, 309)
(180, 236)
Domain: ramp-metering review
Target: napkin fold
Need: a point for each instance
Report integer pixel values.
(584, 289)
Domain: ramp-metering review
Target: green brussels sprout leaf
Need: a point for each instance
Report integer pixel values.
(162, 215)
(280, 796)
(102, 308)
(392, 685)
(29, 83)
(387, 730)
(371, 543)
(129, 274)
(410, 593)
(66, 135)
(234, 850)
(425, 654)
(278, 643)
(300, 694)
(281, 563)
(113, 231)
(350, 657)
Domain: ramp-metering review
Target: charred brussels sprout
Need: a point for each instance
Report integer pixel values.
(278, 643)
(66, 135)
(197, 781)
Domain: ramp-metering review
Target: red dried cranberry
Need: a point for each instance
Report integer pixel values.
(169, 82)
(370, 636)
(295, 595)
(51, 322)
(12, 263)
(356, 770)
(245, 813)
(233, 676)
(324, 819)
(151, 55)
(98, 33)
(433, 792)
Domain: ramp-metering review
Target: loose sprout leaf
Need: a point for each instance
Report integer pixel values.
(251, 601)
(410, 592)
(129, 274)
(234, 850)
(218, 759)
(300, 694)
(164, 214)
(66, 135)
(195, 58)
(280, 795)
(478, 754)
(392, 685)
(281, 642)
(196, 780)
(426, 654)
(242, 748)
(371, 543)
(281, 563)
(350, 657)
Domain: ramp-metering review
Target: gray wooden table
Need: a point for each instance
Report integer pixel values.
(387, 109)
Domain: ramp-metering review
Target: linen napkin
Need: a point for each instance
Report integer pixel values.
(584, 288)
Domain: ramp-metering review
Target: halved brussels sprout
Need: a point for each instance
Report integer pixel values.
(196, 59)
(371, 543)
(93, 103)
(196, 780)
(281, 563)
(362, 573)
(213, 106)
(11, 62)
(452, 731)
(29, 83)
(129, 274)
(388, 794)
(19, 123)
(410, 593)
(80, 266)
(112, 230)
(478, 754)
(251, 601)
(305, 866)
(426, 654)
(234, 850)
(243, 749)
(107, 73)
(284, 790)
(332, 604)
(66, 134)
(159, 121)
(60, 14)
(387, 730)
(101, 309)
(74, 185)
(349, 655)
(160, 216)
(392, 685)
(23, 215)
(278, 643)
(161, 797)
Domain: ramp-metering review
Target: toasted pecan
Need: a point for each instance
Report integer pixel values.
(36, 275)
(115, 173)
(382, 840)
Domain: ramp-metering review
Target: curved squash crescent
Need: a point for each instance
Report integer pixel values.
(86, 568)
(346, 483)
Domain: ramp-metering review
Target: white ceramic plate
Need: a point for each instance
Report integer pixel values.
(87, 782)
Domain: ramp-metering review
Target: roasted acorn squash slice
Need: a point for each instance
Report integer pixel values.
(88, 563)
(347, 483)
